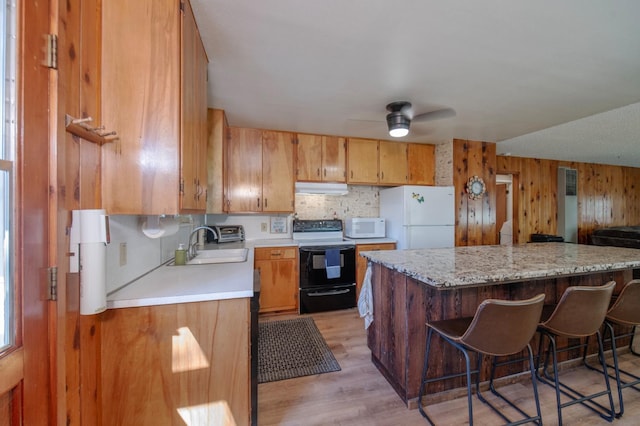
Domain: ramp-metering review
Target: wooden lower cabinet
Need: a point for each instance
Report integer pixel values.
(361, 262)
(161, 364)
(279, 286)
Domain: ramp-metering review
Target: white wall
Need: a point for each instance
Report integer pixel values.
(142, 253)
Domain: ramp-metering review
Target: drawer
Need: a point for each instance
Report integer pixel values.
(275, 253)
(376, 247)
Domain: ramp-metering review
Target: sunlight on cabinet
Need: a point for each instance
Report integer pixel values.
(215, 414)
(186, 353)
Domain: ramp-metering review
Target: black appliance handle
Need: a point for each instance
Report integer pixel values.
(329, 293)
(323, 249)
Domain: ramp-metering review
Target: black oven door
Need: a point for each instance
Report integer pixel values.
(313, 272)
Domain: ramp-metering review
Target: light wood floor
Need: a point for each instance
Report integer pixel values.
(359, 395)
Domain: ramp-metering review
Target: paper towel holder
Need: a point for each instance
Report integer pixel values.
(87, 248)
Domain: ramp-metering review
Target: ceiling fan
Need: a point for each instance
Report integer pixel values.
(401, 114)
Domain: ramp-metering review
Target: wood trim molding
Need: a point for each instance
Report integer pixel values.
(11, 365)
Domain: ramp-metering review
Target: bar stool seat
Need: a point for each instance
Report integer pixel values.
(498, 328)
(625, 311)
(579, 314)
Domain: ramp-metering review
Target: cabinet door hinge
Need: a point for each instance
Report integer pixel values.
(50, 51)
(181, 6)
(181, 189)
(52, 283)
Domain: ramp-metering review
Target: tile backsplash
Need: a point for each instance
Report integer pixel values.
(361, 201)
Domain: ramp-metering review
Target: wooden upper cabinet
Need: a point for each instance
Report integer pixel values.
(259, 171)
(362, 161)
(217, 132)
(193, 168)
(320, 158)
(243, 170)
(393, 163)
(421, 164)
(334, 157)
(277, 172)
(309, 158)
(145, 102)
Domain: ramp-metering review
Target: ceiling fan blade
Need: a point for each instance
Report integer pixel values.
(407, 111)
(435, 115)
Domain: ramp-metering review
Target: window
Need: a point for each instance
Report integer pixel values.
(7, 156)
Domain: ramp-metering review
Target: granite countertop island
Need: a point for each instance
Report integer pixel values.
(410, 288)
(481, 265)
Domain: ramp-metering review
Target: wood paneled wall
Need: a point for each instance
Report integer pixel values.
(607, 195)
(475, 219)
(78, 187)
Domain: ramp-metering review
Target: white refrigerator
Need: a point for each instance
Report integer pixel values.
(419, 216)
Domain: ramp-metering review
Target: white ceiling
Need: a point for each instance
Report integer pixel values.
(546, 78)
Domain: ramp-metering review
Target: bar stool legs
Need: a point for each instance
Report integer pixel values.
(537, 419)
(575, 396)
(579, 314)
(625, 311)
(498, 328)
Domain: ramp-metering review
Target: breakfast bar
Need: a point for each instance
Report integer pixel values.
(412, 287)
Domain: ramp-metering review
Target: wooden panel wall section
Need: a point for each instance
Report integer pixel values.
(173, 357)
(78, 183)
(607, 196)
(475, 219)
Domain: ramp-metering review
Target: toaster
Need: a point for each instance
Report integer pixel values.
(228, 233)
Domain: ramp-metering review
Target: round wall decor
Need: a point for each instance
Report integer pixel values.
(476, 187)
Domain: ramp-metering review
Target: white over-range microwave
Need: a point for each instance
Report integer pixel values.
(365, 227)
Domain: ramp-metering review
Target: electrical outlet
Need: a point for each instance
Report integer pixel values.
(123, 254)
(263, 226)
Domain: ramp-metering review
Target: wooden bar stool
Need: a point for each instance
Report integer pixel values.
(498, 328)
(625, 311)
(580, 313)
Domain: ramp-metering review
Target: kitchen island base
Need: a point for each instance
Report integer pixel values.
(403, 305)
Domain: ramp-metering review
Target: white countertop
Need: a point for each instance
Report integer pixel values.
(478, 265)
(169, 284)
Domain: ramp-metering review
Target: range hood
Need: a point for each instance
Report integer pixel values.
(321, 188)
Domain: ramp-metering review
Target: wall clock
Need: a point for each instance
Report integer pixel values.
(476, 187)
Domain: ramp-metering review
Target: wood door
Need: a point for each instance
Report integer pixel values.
(141, 75)
(362, 161)
(190, 132)
(361, 262)
(278, 268)
(309, 158)
(216, 135)
(26, 373)
(201, 114)
(334, 157)
(421, 164)
(393, 163)
(243, 170)
(277, 172)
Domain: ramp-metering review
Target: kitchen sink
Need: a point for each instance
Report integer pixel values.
(219, 256)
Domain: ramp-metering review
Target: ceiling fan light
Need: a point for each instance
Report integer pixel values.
(398, 124)
(398, 132)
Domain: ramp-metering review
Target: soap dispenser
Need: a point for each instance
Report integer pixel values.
(181, 255)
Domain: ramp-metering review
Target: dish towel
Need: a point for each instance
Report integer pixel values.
(332, 263)
(365, 300)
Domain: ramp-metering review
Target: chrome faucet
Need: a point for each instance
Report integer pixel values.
(191, 246)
